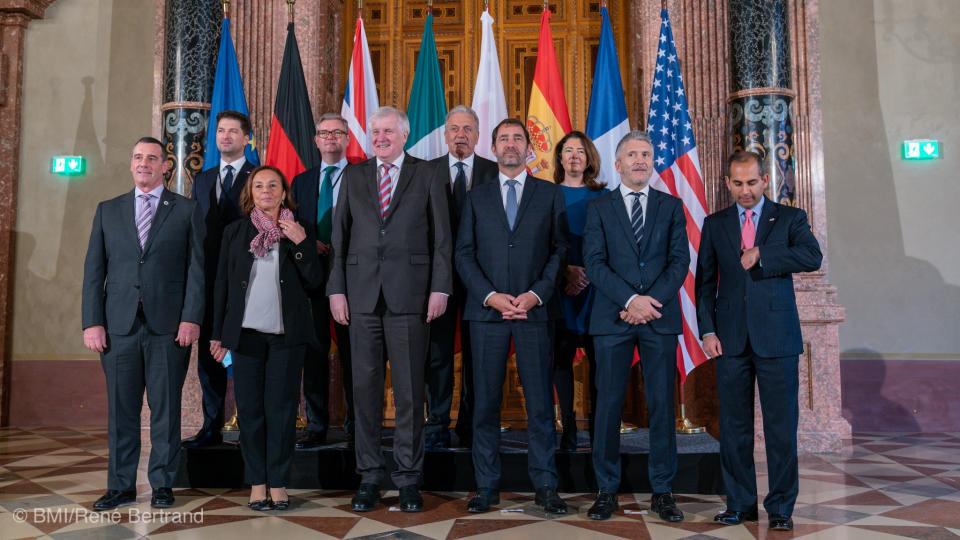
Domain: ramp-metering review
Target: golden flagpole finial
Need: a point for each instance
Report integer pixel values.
(360, 6)
(486, 5)
(290, 4)
(430, 7)
(226, 9)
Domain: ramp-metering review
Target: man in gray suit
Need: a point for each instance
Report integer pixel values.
(390, 277)
(142, 306)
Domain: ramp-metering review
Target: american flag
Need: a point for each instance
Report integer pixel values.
(677, 167)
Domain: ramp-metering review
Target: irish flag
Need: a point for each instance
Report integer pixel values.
(547, 117)
(427, 107)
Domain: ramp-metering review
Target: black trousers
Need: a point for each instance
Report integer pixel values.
(405, 338)
(316, 369)
(131, 363)
(778, 381)
(659, 362)
(213, 383)
(533, 342)
(440, 371)
(566, 351)
(266, 379)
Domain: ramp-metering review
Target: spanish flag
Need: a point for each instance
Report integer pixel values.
(547, 117)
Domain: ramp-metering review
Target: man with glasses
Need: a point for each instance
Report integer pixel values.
(315, 192)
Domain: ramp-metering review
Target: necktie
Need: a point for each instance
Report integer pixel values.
(460, 185)
(225, 186)
(325, 205)
(145, 218)
(636, 217)
(511, 202)
(386, 190)
(748, 233)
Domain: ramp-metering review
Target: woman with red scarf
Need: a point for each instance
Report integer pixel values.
(262, 316)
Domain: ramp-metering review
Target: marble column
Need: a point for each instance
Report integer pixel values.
(15, 17)
(192, 33)
(774, 110)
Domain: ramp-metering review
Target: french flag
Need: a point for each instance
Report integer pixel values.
(360, 97)
(607, 119)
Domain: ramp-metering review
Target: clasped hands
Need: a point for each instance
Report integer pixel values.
(513, 308)
(641, 310)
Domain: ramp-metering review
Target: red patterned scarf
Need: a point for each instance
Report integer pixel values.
(268, 232)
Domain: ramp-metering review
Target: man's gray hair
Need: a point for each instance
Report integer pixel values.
(333, 116)
(465, 110)
(635, 135)
(385, 111)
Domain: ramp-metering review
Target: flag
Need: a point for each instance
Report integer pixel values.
(607, 119)
(547, 117)
(227, 95)
(427, 107)
(677, 172)
(291, 147)
(488, 99)
(360, 97)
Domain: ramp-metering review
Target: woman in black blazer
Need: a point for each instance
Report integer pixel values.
(261, 314)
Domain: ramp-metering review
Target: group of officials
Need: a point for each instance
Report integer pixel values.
(392, 253)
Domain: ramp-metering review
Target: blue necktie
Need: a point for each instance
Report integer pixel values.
(511, 202)
(225, 187)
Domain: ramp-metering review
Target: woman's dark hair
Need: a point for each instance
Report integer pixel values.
(246, 196)
(590, 172)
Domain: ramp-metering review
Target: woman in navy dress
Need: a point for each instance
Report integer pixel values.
(576, 168)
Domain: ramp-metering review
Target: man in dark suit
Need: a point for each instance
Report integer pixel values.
(636, 254)
(510, 248)
(390, 278)
(748, 318)
(464, 170)
(142, 307)
(217, 192)
(315, 192)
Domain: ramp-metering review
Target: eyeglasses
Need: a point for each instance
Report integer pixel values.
(337, 133)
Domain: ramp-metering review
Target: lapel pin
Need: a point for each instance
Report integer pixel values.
(772, 219)
(167, 203)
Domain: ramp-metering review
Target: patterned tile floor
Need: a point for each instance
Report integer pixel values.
(881, 486)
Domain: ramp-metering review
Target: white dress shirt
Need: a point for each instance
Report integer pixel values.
(628, 199)
(237, 165)
(467, 170)
(394, 173)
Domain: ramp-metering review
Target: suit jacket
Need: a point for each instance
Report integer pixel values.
(619, 268)
(492, 258)
(483, 171)
(165, 276)
(725, 291)
(216, 219)
(405, 256)
(306, 190)
(300, 271)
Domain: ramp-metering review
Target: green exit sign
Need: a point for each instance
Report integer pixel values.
(921, 149)
(68, 165)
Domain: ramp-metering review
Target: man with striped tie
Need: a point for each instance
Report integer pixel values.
(636, 254)
(390, 277)
(142, 307)
(315, 191)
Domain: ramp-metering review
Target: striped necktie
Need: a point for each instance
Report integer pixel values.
(636, 216)
(386, 188)
(145, 219)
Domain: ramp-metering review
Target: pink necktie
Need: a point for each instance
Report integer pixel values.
(748, 233)
(384, 188)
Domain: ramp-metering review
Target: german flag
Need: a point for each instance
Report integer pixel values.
(290, 147)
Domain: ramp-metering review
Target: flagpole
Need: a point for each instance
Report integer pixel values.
(290, 4)
(226, 8)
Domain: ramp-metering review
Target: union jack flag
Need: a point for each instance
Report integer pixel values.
(678, 173)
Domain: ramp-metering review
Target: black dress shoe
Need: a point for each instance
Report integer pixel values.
(734, 517)
(666, 507)
(281, 505)
(162, 498)
(410, 499)
(604, 507)
(568, 441)
(204, 438)
(482, 501)
(261, 506)
(366, 498)
(780, 522)
(311, 439)
(114, 498)
(548, 499)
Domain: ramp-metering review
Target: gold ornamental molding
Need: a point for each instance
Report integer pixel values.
(185, 105)
(765, 91)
